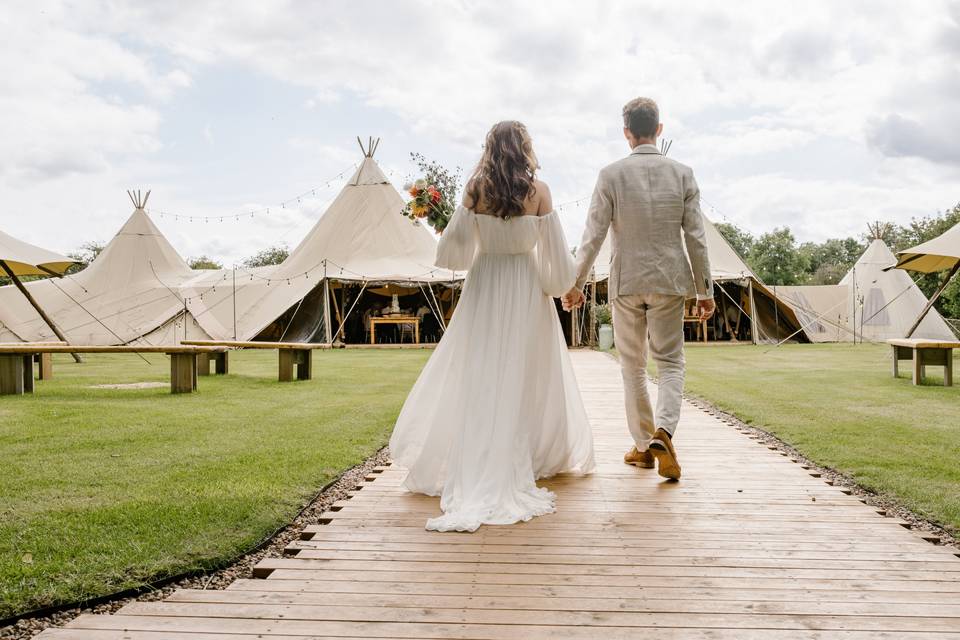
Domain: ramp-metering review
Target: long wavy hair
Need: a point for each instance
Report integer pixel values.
(506, 172)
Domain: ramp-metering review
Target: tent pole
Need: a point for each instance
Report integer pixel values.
(37, 307)
(933, 298)
(753, 314)
(776, 310)
(234, 302)
(327, 329)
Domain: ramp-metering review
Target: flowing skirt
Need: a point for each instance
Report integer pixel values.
(496, 406)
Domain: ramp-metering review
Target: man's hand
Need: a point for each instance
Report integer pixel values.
(573, 299)
(706, 307)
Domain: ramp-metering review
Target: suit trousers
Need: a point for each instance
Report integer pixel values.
(651, 324)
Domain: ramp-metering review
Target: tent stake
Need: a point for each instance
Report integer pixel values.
(933, 299)
(36, 306)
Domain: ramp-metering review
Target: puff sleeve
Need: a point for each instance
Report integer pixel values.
(557, 270)
(458, 244)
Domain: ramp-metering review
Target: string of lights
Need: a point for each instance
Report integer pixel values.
(255, 212)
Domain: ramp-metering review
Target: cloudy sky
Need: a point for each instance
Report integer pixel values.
(818, 115)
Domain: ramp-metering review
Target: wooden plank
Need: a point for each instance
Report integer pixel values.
(253, 344)
(649, 603)
(27, 348)
(577, 617)
(466, 631)
(924, 343)
(814, 591)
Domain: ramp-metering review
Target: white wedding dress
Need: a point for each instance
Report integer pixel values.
(497, 405)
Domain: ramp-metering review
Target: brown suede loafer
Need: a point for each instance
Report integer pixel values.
(661, 446)
(642, 459)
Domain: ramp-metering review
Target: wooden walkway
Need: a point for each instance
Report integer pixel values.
(748, 545)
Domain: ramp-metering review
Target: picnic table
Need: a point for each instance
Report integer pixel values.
(398, 320)
(16, 362)
(292, 355)
(924, 353)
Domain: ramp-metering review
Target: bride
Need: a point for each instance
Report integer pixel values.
(497, 405)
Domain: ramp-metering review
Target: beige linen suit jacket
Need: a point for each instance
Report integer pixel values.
(652, 204)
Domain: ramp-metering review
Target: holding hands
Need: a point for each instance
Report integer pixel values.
(573, 299)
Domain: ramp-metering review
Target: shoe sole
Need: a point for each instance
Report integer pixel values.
(667, 465)
(642, 465)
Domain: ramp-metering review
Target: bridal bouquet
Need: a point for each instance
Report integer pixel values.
(434, 195)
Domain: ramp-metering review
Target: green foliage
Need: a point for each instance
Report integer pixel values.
(272, 255)
(105, 489)
(776, 259)
(603, 314)
(447, 183)
(203, 262)
(741, 241)
(828, 262)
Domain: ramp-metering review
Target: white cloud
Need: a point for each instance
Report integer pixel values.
(750, 92)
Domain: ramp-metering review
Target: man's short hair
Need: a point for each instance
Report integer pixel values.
(642, 117)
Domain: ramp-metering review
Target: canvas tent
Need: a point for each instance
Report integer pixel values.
(19, 259)
(739, 292)
(129, 291)
(939, 254)
(140, 290)
(361, 242)
(868, 304)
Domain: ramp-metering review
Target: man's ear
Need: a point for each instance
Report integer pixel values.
(659, 130)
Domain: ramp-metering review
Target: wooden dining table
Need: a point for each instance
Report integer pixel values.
(399, 320)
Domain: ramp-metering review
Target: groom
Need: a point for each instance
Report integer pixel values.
(652, 204)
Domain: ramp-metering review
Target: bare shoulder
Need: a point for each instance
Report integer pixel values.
(543, 197)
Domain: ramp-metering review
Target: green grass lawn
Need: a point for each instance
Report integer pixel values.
(841, 407)
(104, 489)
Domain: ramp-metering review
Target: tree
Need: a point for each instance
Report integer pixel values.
(271, 255)
(776, 259)
(86, 254)
(829, 261)
(741, 241)
(203, 262)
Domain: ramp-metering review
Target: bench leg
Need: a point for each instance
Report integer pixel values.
(46, 366)
(896, 362)
(948, 369)
(305, 364)
(222, 363)
(28, 373)
(11, 374)
(917, 366)
(203, 364)
(287, 360)
(183, 372)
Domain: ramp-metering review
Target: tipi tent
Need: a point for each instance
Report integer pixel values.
(361, 239)
(869, 303)
(127, 292)
(739, 291)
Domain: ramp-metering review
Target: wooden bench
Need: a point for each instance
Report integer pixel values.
(924, 353)
(45, 360)
(292, 355)
(16, 363)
